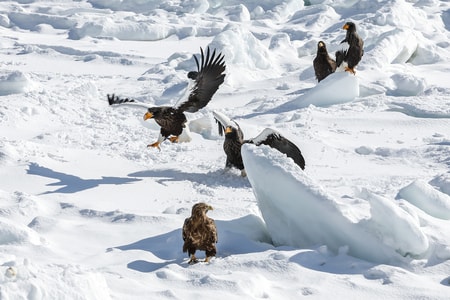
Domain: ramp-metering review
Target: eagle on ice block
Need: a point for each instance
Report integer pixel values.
(199, 233)
(352, 49)
(323, 64)
(172, 120)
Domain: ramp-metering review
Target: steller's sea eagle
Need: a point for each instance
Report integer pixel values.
(172, 120)
(234, 139)
(351, 51)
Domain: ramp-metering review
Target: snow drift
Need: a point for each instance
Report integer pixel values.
(300, 213)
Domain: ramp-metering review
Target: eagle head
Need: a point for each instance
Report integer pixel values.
(152, 112)
(349, 26)
(200, 209)
(321, 47)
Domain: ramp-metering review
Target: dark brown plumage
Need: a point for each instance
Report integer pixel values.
(323, 64)
(234, 139)
(352, 49)
(172, 120)
(199, 233)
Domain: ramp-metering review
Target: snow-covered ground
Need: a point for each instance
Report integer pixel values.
(87, 211)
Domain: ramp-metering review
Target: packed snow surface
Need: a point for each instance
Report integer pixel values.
(87, 211)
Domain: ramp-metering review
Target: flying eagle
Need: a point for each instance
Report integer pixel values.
(323, 64)
(172, 120)
(234, 139)
(199, 233)
(352, 49)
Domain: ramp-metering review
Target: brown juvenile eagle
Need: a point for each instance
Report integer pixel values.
(234, 139)
(199, 233)
(172, 120)
(352, 49)
(323, 64)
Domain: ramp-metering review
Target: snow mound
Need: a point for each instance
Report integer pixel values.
(407, 85)
(427, 198)
(339, 87)
(442, 182)
(126, 30)
(27, 280)
(299, 213)
(14, 83)
(13, 233)
(243, 51)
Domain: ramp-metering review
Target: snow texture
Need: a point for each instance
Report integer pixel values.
(87, 211)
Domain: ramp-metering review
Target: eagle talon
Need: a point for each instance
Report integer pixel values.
(154, 145)
(347, 69)
(174, 139)
(193, 260)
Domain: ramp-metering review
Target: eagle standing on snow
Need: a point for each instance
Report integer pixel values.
(199, 233)
(351, 51)
(234, 139)
(323, 64)
(172, 120)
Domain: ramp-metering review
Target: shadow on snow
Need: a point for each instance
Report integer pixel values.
(212, 179)
(239, 236)
(73, 184)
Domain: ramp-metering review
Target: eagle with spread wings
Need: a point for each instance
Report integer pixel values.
(234, 139)
(199, 233)
(172, 120)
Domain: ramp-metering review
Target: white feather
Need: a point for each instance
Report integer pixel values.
(224, 120)
(263, 135)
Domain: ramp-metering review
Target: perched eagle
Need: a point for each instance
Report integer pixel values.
(352, 49)
(234, 139)
(323, 64)
(172, 120)
(199, 233)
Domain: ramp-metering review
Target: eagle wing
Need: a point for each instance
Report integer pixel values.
(275, 140)
(212, 232)
(210, 76)
(114, 100)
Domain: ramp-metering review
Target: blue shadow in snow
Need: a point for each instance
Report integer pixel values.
(73, 184)
(211, 179)
(240, 236)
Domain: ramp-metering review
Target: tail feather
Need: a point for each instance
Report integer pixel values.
(113, 99)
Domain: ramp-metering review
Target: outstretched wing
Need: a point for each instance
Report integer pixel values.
(275, 140)
(223, 122)
(207, 80)
(114, 100)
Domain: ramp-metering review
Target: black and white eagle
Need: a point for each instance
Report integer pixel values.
(351, 49)
(172, 120)
(234, 139)
(323, 64)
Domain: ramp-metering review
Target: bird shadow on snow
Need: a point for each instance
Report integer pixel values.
(232, 241)
(212, 179)
(71, 183)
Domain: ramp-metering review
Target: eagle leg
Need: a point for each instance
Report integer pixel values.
(155, 145)
(351, 70)
(174, 139)
(207, 259)
(193, 260)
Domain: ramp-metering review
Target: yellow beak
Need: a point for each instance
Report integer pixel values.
(345, 27)
(148, 115)
(228, 129)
